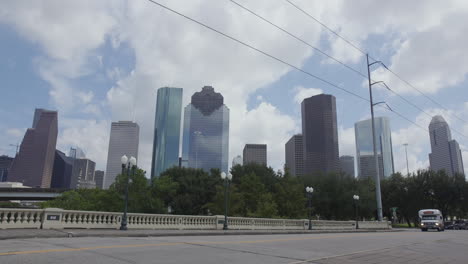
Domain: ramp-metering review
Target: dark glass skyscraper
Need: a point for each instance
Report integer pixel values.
(255, 153)
(166, 130)
(206, 131)
(320, 134)
(34, 163)
(5, 163)
(446, 154)
(62, 173)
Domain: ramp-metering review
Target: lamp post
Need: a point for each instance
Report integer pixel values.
(309, 191)
(356, 200)
(126, 164)
(226, 179)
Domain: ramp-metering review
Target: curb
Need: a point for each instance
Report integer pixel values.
(74, 233)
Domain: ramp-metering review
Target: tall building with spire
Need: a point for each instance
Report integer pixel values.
(320, 134)
(166, 140)
(123, 140)
(206, 131)
(34, 163)
(446, 154)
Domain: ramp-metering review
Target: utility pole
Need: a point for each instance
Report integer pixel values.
(378, 194)
(17, 147)
(406, 151)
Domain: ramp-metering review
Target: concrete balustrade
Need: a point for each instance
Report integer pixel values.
(55, 218)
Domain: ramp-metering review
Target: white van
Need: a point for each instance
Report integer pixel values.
(431, 219)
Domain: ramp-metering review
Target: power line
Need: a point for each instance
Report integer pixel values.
(276, 58)
(258, 50)
(333, 58)
(364, 52)
(300, 39)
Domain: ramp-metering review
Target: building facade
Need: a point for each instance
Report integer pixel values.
(5, 164)
(62, 173)
(294, 155)
(365, 149)
(445, 151)
(124, 139)
(99, 178)
(83, 174)
(255, 153)
(320, 134)
(347, 165)
(34, 163)
(166, 130)
(237, 161)
(206, 131)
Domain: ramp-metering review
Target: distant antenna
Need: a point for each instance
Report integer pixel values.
(17, 147)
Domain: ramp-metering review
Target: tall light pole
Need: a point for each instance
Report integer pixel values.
(197, 138)
(226, 179)
(126, 164)
(378, 194)
(356, 200)
(309, 191)
(406, 151)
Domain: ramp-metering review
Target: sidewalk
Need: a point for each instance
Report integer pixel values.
(56, 233)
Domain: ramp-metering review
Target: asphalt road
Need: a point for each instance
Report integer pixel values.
(391, 247)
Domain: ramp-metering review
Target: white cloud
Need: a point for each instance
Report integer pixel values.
(262, 125)
(347, 141)
(302, 93)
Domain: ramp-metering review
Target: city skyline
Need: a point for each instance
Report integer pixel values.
(111, 72)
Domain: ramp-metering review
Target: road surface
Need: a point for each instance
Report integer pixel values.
(390, 247)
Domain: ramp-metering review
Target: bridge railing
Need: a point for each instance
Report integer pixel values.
(54, 218)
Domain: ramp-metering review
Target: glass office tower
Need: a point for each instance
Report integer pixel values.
(365, 150)
(166, 130)
(206, 131)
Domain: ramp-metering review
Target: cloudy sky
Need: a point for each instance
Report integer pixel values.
(102, 61)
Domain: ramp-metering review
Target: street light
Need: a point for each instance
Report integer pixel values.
(126, 165)
(309, 191)
(226, 179)
(356, 200)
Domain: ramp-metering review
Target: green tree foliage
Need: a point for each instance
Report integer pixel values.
(259, 191)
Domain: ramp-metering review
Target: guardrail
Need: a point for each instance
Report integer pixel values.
(55, 218)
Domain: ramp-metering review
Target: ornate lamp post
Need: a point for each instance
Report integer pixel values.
(226, 179)
(309, 191)
(126, 165)
(356, 201)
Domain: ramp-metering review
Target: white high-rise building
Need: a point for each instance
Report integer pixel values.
(237, 161)
(124, 138)
(446, 154)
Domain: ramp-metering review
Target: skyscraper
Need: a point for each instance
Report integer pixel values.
(446, 154)
(5, 163)
(34, 162)
(124, 138)
(255, 153)
(347, 165)
(206, 131)
(83, 174)
(166, 130)
(99, 178)
(320, 134)
(365, 149)
(295, 155)
(63, 167)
